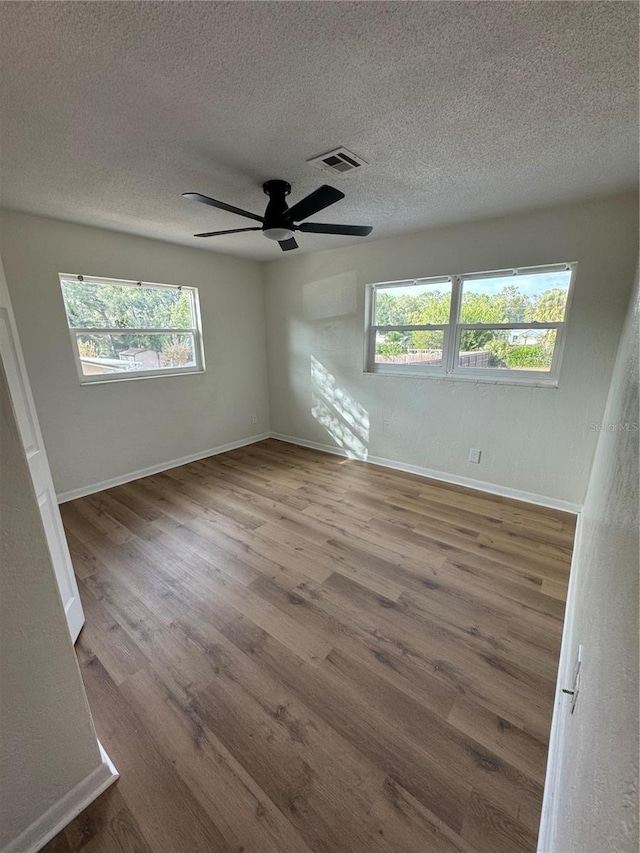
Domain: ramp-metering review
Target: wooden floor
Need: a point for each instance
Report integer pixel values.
(286, 652)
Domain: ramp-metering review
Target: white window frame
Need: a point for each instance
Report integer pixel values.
(127, 376)
(449, 368)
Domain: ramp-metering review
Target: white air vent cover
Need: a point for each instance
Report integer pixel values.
(339, 162)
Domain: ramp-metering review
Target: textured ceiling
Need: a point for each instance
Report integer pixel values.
(110, 110)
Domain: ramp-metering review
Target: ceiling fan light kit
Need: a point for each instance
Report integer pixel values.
(277, 233)
(280, 221)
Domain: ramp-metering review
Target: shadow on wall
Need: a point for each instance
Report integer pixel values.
(343, 418)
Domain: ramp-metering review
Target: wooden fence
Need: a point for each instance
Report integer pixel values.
(434, 358)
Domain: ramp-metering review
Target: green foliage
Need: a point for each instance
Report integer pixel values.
(168, 347)
(393, 348)
(87, 348)
(550, 306)
(97, 346)
(111, 306)
(93, 305)
(498, 352)
(529, 355)
(426, 340)
(507, 306)
(176, 352)
(476, 339)
(426, 308)
(481, 308)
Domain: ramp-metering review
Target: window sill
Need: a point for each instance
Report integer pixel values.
(476, 379)
(114, 380)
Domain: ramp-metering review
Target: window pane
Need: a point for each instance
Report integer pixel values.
(102, 353)
(423, 349)
(509, 349)
(539, 297)
(418, 304)
(98, 305)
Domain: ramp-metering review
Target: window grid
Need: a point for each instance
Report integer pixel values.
(194, 331)
(454, 328)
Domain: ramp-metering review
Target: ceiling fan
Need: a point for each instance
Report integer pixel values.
(280, 221)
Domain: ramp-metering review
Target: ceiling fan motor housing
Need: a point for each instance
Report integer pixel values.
(277, 225)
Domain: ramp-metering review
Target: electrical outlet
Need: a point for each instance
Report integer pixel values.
(474, 454)
(254, 419)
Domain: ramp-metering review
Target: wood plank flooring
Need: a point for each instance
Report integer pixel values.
(286, 652)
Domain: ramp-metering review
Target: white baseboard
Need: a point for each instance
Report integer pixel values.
(479, 485)
(66, 809)
(91, 489)
(555, 754)
(455, 479)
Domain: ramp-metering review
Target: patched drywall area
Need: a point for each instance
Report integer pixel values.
(99, 432)
(47, 740)
(596, 792)
(537, 440)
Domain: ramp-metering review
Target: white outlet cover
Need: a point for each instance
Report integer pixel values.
(474, 454)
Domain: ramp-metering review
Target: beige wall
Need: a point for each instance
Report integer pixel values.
(47, 740)
(98, 432)
(596, 791)
(537, 440)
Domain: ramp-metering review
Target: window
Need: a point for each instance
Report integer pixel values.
(497, 326)
(129, 330)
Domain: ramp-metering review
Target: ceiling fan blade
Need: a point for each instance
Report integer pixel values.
(287, 245)
(314, 202)
(212, 202)
(232, 231)
(348, 230)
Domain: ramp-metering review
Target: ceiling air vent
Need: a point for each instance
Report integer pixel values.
(339, 162)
